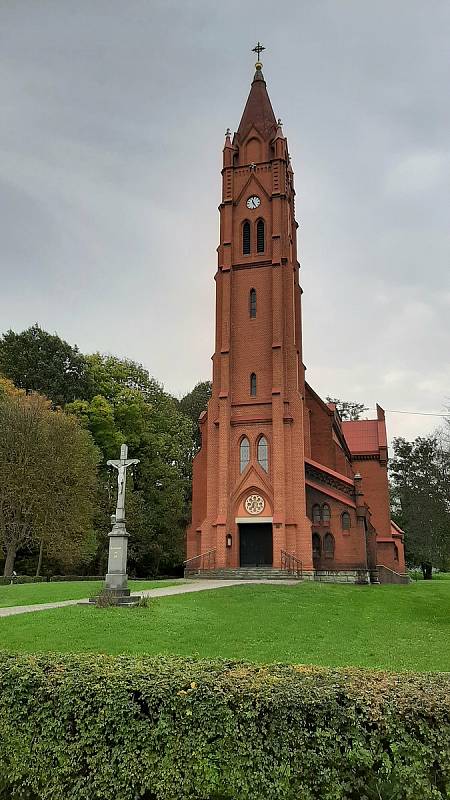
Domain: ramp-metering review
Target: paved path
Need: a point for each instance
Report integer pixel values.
(165, 591)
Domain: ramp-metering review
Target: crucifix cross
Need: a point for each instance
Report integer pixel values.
(121, 465)
(258, 49)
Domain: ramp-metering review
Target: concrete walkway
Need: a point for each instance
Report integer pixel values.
(165, 591)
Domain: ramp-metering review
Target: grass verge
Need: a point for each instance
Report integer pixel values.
(378, 627)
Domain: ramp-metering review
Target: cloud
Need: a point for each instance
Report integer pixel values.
(112, 129)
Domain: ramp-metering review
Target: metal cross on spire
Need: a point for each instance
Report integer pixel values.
(258, 49)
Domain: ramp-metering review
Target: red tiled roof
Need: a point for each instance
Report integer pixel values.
(363, 435)
(329, 492)
(332, 472)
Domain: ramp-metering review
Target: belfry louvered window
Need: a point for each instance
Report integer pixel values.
(246, 238)
(260, 236)
(252, 303)
(253, 384)
(244, 453)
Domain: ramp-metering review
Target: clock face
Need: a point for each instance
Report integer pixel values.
(253, 201)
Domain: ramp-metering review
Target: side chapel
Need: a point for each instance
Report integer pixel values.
(280, 480)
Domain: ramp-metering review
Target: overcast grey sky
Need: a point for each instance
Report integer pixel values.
(113, 120)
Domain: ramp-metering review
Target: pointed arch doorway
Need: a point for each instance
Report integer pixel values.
(255, 542)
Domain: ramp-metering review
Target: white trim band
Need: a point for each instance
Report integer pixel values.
(240, 520)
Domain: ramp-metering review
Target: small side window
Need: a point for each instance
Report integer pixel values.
(346, 521)
(244, 453)
(328, 545)
(263, 453)
(316, 517)
(252, 303)
(253, 385)
(326, 513)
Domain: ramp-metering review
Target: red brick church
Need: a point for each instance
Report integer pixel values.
(280, 482)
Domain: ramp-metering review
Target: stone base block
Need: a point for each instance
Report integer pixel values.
(360, 576)
(116, 597)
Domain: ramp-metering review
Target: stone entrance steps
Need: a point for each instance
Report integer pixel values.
(245, 573)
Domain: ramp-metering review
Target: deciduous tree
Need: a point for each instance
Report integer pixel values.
(47, 479)
(420, 483)
(193, 403)
(38, 361)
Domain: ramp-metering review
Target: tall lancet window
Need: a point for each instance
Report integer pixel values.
(260, 236)
(252, 303)
(246, 238)
(244, 453)
(263, 453)
(253, 384)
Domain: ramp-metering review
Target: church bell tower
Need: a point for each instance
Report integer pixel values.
(249, 505)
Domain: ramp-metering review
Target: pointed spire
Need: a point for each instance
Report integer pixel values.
(279, 132)
(227, 149)
(258, 110)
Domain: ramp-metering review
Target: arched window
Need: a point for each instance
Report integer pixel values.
(326, 514)
(253, 384)
(328, 545)
(252, 303)
(246, 238)
(263, 453)
(395, 552)
(316, 517)
(244, 453)
(260, 236)
(346, 521)
(316, 546)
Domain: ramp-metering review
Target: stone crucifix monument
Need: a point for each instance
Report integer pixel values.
(117, 578)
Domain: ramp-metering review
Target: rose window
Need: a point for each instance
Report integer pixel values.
(254, 504)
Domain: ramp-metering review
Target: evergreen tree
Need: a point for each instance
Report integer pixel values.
(348, 409)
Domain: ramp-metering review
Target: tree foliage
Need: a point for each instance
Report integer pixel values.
(116, 401)
(348, 409)
(47, 479)
(133, 408)
(420, 488)
(194, 403)
(38, 361)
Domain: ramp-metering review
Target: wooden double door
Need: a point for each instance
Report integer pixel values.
(256, 544)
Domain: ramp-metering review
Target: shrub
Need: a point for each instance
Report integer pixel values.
(94, 726)
(77, 578)
(22, 579)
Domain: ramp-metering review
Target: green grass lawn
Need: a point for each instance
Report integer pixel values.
(29, 594)
(381, 627)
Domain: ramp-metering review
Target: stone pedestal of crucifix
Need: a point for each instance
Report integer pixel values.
(116, 583)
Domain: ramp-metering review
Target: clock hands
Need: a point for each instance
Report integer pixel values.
(253, 202)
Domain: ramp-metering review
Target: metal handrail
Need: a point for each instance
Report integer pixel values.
(209, 554)
(291, 563)
(393, 572)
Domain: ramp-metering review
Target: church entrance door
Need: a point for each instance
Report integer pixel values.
(255, 544)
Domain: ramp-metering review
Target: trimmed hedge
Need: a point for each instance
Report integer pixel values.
(59, 578)
(22, 579)
(95, 727)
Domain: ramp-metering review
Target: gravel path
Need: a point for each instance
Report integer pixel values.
(183, 588)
